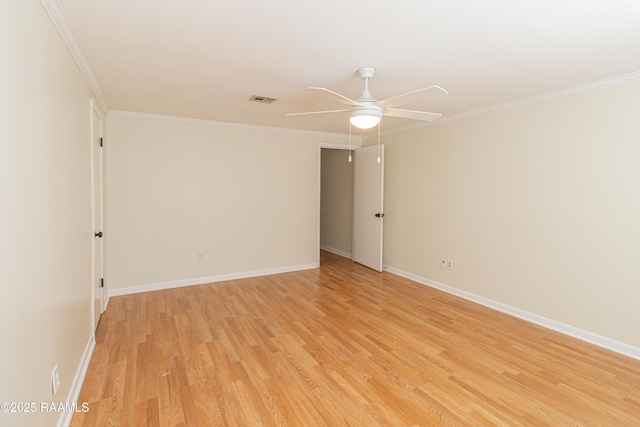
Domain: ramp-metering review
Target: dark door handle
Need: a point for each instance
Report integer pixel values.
(379, 215)
(98, 234)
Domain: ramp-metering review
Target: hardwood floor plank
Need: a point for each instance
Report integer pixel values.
(342, 345)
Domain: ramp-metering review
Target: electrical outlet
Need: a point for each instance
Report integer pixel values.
(55, 380)
(443, 263)
(450, 264)
(200, 256)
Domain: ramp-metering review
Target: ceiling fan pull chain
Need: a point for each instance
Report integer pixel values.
(379, 141)
(349, 141)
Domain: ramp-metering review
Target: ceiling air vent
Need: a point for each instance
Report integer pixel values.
(262, 99)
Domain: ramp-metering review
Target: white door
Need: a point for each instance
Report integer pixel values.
(367, 206)
(96, 154)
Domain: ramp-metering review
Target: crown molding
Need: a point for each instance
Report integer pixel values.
(61, 21)
(523, 102)
(204, 122)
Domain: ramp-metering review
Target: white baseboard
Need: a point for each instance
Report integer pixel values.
(563, 328)
(78, 379)
(204, 280)
(336, 251)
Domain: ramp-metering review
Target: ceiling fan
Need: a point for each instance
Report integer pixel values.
(366, 111)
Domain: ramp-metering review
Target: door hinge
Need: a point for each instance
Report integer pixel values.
(102, 283)
(100, 141)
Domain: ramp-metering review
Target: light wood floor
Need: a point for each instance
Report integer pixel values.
(342, 346)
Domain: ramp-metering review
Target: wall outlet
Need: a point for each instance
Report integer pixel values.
(200, 256)
(55, 380)
(450, 264)
(443, 263)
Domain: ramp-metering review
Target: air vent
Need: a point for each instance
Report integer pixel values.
(262, 99)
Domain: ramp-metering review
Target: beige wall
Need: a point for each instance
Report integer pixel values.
(45, 211)
(336, 201)
(245, 197)
(539, 207)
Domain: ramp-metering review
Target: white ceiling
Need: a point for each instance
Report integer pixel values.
(203, 58)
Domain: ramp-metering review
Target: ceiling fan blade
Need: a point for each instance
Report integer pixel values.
(407, 98)
(336, 96)
(412, 114)
(315, 112)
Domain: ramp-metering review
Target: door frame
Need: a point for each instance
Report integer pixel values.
(94, 108)
(355, 144)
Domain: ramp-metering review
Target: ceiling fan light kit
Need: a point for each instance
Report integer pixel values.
(365, 118)
(366, 112)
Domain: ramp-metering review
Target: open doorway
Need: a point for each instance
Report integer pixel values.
(336, 201)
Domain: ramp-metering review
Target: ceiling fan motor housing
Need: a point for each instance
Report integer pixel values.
(365, 111)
